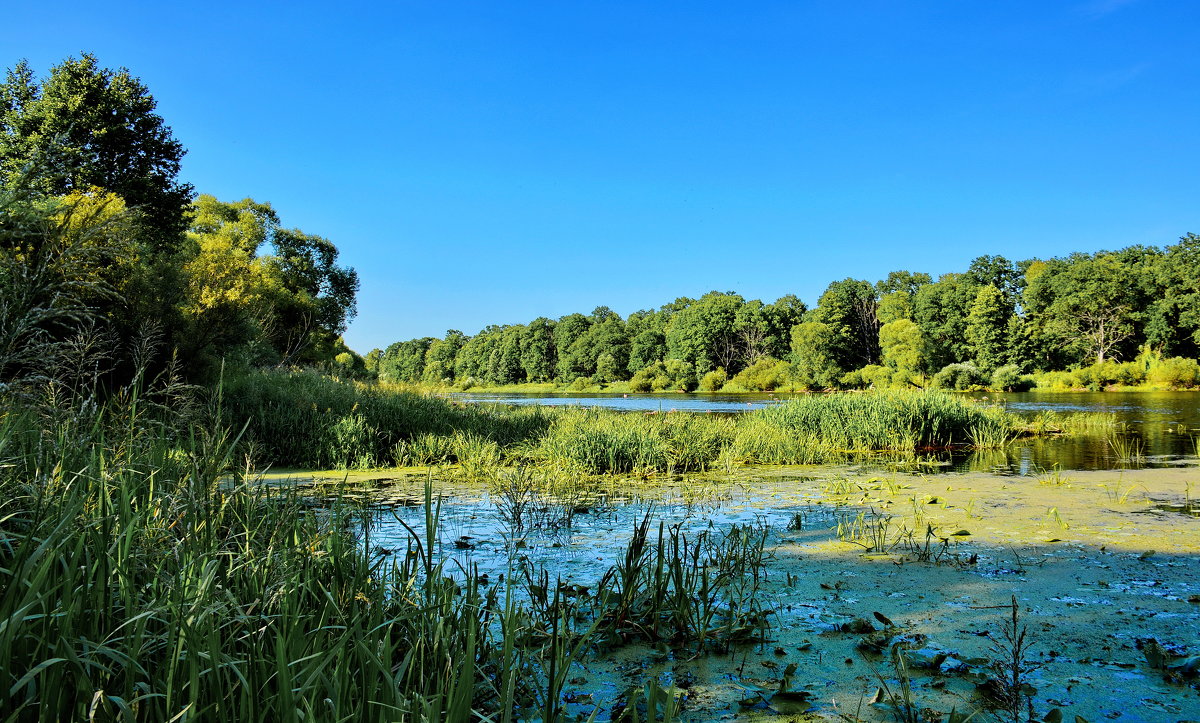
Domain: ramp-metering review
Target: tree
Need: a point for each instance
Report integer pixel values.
(226, 285)
(705, 334)
(567, 331)
(441, 356)
(940, 309)
(58, 259)
(315, 298)
(987, 328)
(904, 350)
(537, 350)
(403, 361)
(86, 126)
(813, 361)
(1088, 306)
(849, 307)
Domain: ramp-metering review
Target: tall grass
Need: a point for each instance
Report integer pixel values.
(601, 441)
(305, 419)
(896, 420)
(140, 581)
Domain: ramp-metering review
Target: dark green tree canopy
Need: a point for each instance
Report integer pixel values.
(86, 125)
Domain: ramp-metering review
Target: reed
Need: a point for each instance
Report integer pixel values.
(141, 578)
(703, 590)
(896, 420)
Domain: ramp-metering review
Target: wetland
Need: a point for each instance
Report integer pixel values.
(883, 584)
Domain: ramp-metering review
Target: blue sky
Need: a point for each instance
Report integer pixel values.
(484, 162)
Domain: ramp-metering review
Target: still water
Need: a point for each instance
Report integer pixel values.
(1164, 426)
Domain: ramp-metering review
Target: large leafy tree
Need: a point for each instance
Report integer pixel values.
(293, 303)
(88, 126)
(988, 328)
(705, 333)
(537, 350)
(941, 309)
(1087, 307)
(314, 299)
(850, 309)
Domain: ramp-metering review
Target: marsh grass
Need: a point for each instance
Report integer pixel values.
(1126, 449)
(701, 591)
(871, 530)
(303, 419)
(1077, 423)
(891, 420)
(306, 419)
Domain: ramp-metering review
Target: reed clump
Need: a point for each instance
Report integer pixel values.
(306, 419)
(702, 590)
(599, 441)
(143, 579)
(890, 420)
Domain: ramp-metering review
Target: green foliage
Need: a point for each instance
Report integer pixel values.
(940, 310)
(873, 376)
(599, 441)
(764, 375)
(87, 126)
(1008, 378)
(895, 419)
(848, 308)
(304, 419)
(814, 366)
(987, 328)
(714, 380)
(959, 377)
(1175, 373)
(705, 333)
(904, 350)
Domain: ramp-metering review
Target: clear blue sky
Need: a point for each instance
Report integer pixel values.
(488, 162)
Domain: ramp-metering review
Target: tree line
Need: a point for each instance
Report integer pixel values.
(102, 243)
(1109, 312)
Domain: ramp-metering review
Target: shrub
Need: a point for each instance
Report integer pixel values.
(959, 377)
(1057, 381)
(1008, 378)
(1175, 373)
(764, 375)
(714, 380)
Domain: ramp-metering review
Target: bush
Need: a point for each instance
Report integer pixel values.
(1057, 381)
(1008, 378)
(1175, 373)
(714, 380)
(872, 375)
(764, 375)
(959, 377)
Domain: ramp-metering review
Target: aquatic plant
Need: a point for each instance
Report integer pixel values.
(873, 531)
(1009, 690)
(701, 591)
(890, 420)
(600, 441)
(1126, 449)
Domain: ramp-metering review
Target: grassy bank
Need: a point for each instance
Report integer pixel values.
(143, 579)
(302, 419)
